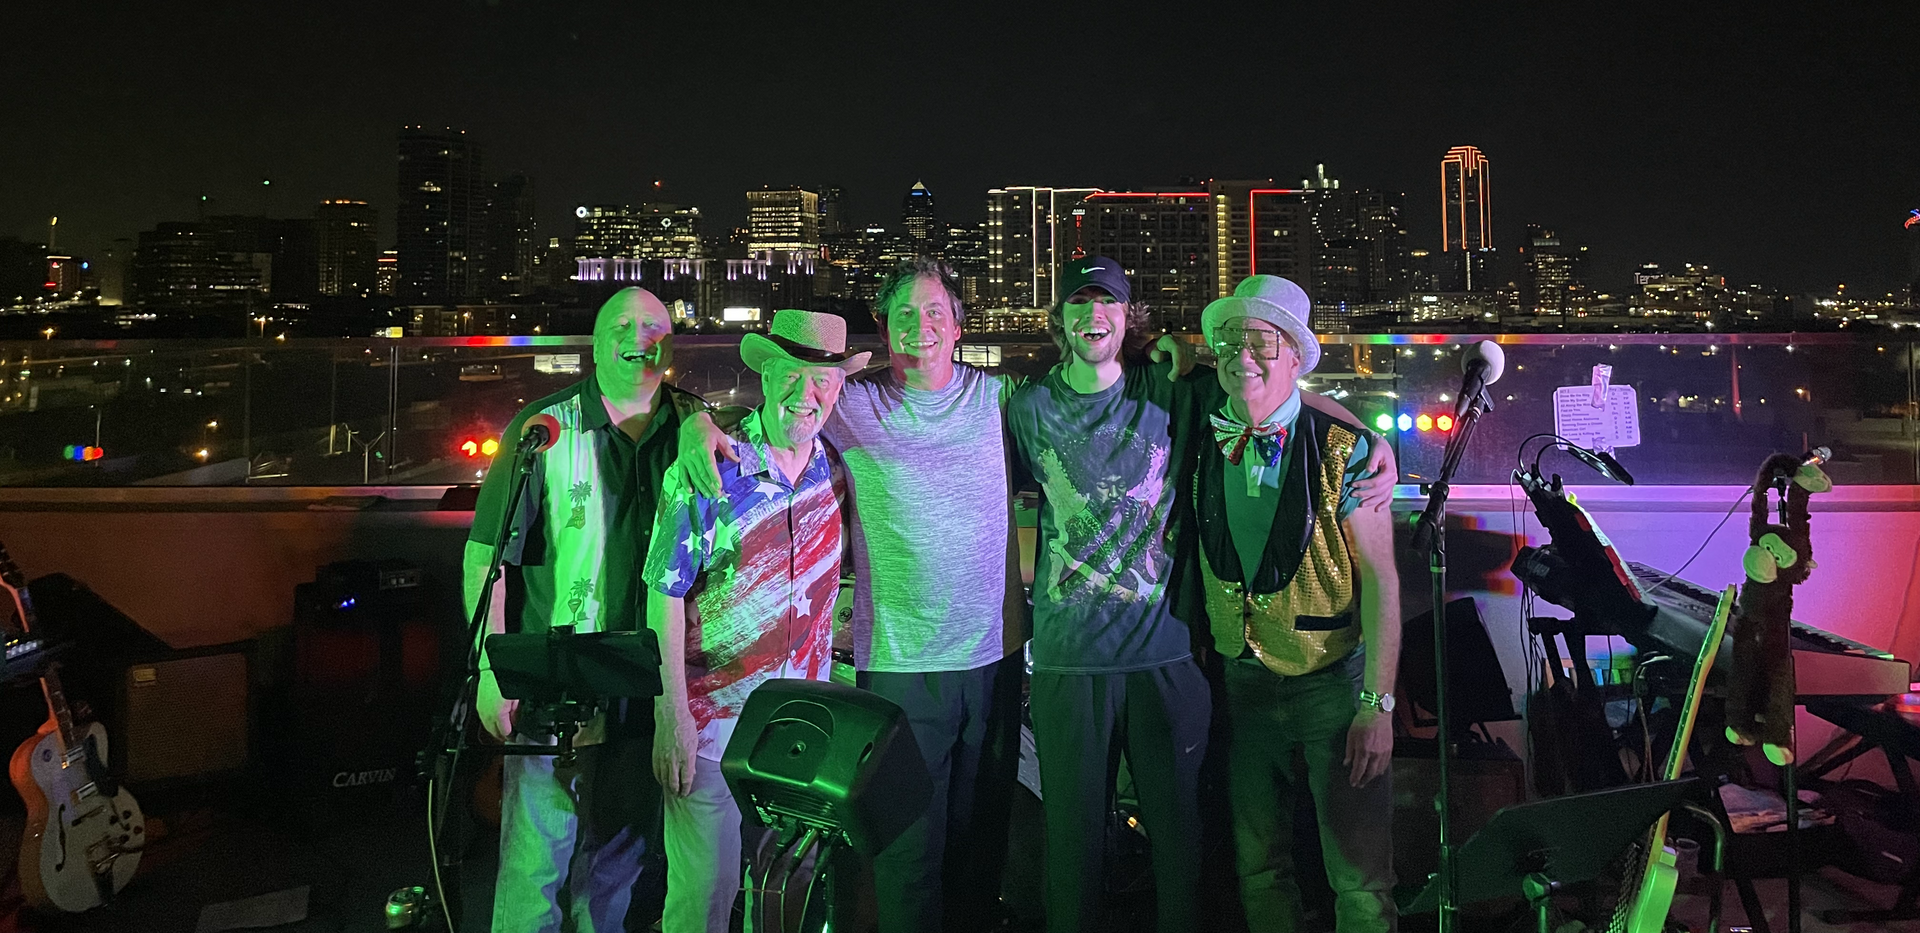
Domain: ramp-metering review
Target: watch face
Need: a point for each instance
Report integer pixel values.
(1386, 702)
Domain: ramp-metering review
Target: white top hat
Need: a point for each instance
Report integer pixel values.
(1272, 299)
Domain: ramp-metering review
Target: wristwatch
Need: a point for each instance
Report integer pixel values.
(1380, 701)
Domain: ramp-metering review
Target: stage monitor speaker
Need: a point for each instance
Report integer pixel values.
(826, 754)
(1477, 688)
(183, 717)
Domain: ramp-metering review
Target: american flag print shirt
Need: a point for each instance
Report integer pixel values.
(760, 570)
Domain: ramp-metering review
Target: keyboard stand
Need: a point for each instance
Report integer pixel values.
(1899, 739)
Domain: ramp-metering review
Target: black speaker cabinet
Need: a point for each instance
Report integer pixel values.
(827, 755)
(363, 684)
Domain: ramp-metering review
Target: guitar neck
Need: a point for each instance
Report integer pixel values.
(57, 706)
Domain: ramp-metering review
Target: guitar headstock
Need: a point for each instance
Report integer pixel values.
(14, 585)
(9, 571)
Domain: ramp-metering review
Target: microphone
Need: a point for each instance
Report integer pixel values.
(1483, 365)
(539, 433)
(1602, 463)
(1816, 456)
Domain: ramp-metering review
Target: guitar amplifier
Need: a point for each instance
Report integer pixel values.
(363, 683)
(181, 717)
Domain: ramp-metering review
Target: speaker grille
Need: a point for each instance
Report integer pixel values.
(185, 717)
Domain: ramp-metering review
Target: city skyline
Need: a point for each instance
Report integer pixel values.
(1750, 140)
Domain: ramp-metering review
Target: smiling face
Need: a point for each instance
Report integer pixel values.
(632, 343)
(1258, 365)
(799, 397)
(1095, 324)
(922, 324)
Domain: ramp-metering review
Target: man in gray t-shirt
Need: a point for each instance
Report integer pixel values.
(939, 611)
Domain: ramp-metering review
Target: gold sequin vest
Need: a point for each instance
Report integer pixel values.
(1299, 614)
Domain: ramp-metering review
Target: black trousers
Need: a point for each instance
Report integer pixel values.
(943, 873)
(1081, 724)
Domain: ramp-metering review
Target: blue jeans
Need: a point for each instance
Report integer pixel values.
(571, 839)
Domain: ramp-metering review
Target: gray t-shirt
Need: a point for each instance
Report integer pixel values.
(1103, 564)
(931, 520)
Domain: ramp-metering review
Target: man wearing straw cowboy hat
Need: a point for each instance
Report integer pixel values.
(742, 589)
(1303, 603)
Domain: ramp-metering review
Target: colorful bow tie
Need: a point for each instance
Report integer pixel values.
(1233, 436)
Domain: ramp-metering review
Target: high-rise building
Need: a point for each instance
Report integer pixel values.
(22, 271)
(1361, 261)
(442, 217)
(1550, 282)
(833, 212)
(1261, 228)
(650, 231)
(386, 273)
(116, 267)
(964, 249)
(918, 218)
(782, 219)
(282, 252)
(672, 232)
(1467, 262)
(510, 239)
(1466, 201)
(190, 266)
(1024, 227)
(1165, 241)
(606, 230)
(346, 241)
(854, 260)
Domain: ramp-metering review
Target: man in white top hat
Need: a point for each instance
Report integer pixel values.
(1303, 602)
(742, 589)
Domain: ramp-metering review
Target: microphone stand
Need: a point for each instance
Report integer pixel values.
(441, 758)
(1430, 535)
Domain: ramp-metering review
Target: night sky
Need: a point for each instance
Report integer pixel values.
(1779, 143)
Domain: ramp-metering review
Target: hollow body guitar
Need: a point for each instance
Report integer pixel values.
(1647, 893)
(84, 833)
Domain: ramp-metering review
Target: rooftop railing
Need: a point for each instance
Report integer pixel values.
(422, 411)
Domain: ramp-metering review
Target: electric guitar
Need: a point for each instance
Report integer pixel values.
(84, 833)
(1647, 893)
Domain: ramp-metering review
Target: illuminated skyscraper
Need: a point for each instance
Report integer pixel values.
(1261, 227)
(1024, 247)
(650, 231)
(1466, 205)
(1165, 241)
(510, 241)
(833, 211)
(442, 216)
(917, 217)
(783, 219)
(1550, 282)
(348, 248)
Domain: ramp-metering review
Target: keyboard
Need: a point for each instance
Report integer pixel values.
(1824, 663)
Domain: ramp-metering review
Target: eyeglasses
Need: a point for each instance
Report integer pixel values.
(1262, 344)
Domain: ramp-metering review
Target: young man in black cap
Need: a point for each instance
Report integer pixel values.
(1112, 667)
(1107, 438)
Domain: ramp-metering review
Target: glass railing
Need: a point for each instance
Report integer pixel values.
(421, 411)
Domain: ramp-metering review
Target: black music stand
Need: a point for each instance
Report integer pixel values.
(1533, 850)
(569, 676)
